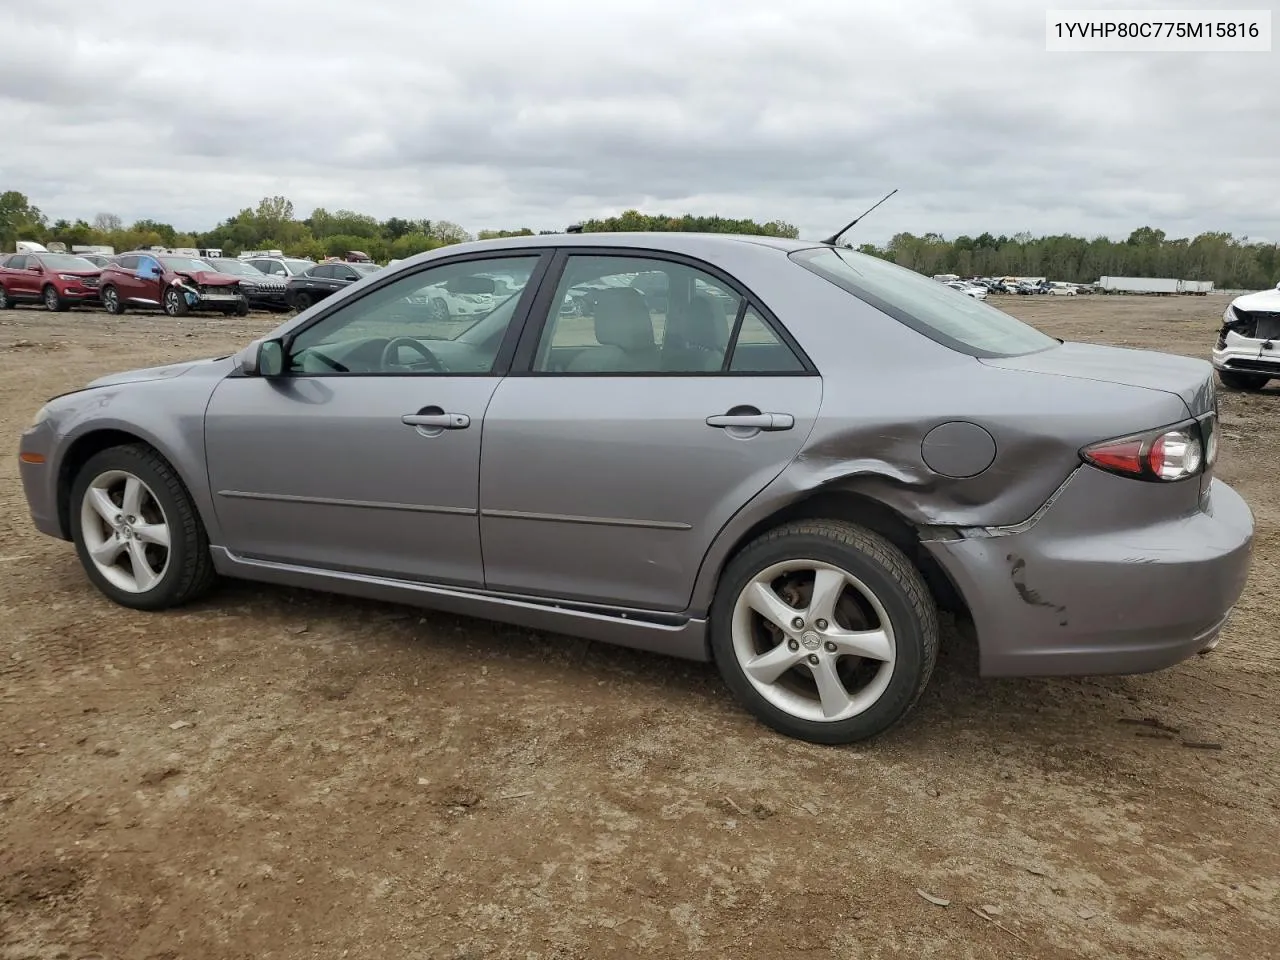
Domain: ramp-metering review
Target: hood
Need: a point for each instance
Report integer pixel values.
(166, 372)
(209, 277)
(1265, 300)
(1184, 377)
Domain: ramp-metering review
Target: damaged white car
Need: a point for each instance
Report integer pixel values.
(1247, 355)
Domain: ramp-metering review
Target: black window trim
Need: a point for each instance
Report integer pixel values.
(907, 319)
(542, 257)
(535, 323)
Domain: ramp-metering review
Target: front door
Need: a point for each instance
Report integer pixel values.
(651, 412)
(146, 281)
(365, 455)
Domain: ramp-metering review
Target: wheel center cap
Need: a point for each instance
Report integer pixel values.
(810, 640)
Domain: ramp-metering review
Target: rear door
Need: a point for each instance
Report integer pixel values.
(18, 282)
(637, 421)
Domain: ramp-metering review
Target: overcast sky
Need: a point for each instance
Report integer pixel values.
(507, 113)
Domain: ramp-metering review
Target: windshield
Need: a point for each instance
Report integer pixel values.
(941, 313)
(186, 264)
(62, 261)
(237, 267)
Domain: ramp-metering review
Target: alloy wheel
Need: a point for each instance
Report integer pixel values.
(125, 531)
(813, 640)
(51, 298)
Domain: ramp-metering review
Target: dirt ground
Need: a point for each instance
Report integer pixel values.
(280, 774)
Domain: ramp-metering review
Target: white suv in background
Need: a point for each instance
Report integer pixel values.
(282, 267)
(1247, 354)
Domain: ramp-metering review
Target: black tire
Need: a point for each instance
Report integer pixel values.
(1235, 380)
(189, 572)
(301, 301)
(52, 300)
(175, 304)
(111, 301)
(242, 308)
(887, 572)
(5, 302)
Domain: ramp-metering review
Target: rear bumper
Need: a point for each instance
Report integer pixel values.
(1091, 589)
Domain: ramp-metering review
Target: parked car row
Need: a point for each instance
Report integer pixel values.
(1020, 286)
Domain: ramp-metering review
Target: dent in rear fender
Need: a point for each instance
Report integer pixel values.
(893, 473)
(167, 414)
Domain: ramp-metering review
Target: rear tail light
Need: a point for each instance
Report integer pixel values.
(1163, 455)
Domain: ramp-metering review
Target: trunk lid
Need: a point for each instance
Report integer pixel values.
(1184, 377)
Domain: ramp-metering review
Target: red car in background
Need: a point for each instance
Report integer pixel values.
(58, 280)
(172, 283)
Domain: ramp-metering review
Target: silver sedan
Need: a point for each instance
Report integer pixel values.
(785, 463)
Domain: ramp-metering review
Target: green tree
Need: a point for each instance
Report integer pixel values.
(19, 219)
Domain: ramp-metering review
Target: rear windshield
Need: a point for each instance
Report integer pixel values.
(942, 314)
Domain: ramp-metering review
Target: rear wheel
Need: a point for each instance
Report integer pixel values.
(1235, 380)
(136, 530)
(825, 631)
(111, 301)
(53, 300)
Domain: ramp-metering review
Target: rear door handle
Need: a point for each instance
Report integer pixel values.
(753, 421)
(446, 421)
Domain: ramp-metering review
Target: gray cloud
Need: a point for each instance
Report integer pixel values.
(504, 113)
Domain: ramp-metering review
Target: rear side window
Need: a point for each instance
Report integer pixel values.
(17, 262)
(944, 315)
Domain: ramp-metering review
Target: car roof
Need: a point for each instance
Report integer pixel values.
(676, 241)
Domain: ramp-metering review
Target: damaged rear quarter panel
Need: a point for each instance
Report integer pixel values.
(886, 386)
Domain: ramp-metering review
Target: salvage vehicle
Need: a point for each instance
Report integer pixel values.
(58, 280)
(789, 479)
(264, 291)
(1246, 355)
(322, 279)
(175, 284)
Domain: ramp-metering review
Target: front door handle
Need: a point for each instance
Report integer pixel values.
(441, 421)
(753, 421)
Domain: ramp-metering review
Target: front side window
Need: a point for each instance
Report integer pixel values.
(640, 315)
(947, 316)
(447, 319)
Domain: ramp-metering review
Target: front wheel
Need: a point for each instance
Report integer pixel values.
(301, 301)
(175, 304)
(136, 530)
(1235, 380)
(53, 300)
(5, 302)
(825, 631)
(242, 308)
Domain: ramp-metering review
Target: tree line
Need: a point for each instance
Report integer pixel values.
(1228, 261)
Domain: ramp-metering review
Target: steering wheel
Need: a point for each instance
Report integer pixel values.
(391, 354)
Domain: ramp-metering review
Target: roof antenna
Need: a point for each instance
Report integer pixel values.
(835, 237)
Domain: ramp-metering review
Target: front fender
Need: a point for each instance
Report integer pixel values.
(166, 414)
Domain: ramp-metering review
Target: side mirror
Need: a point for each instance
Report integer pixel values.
(36, 268)
(270, 358)
(264, 359)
